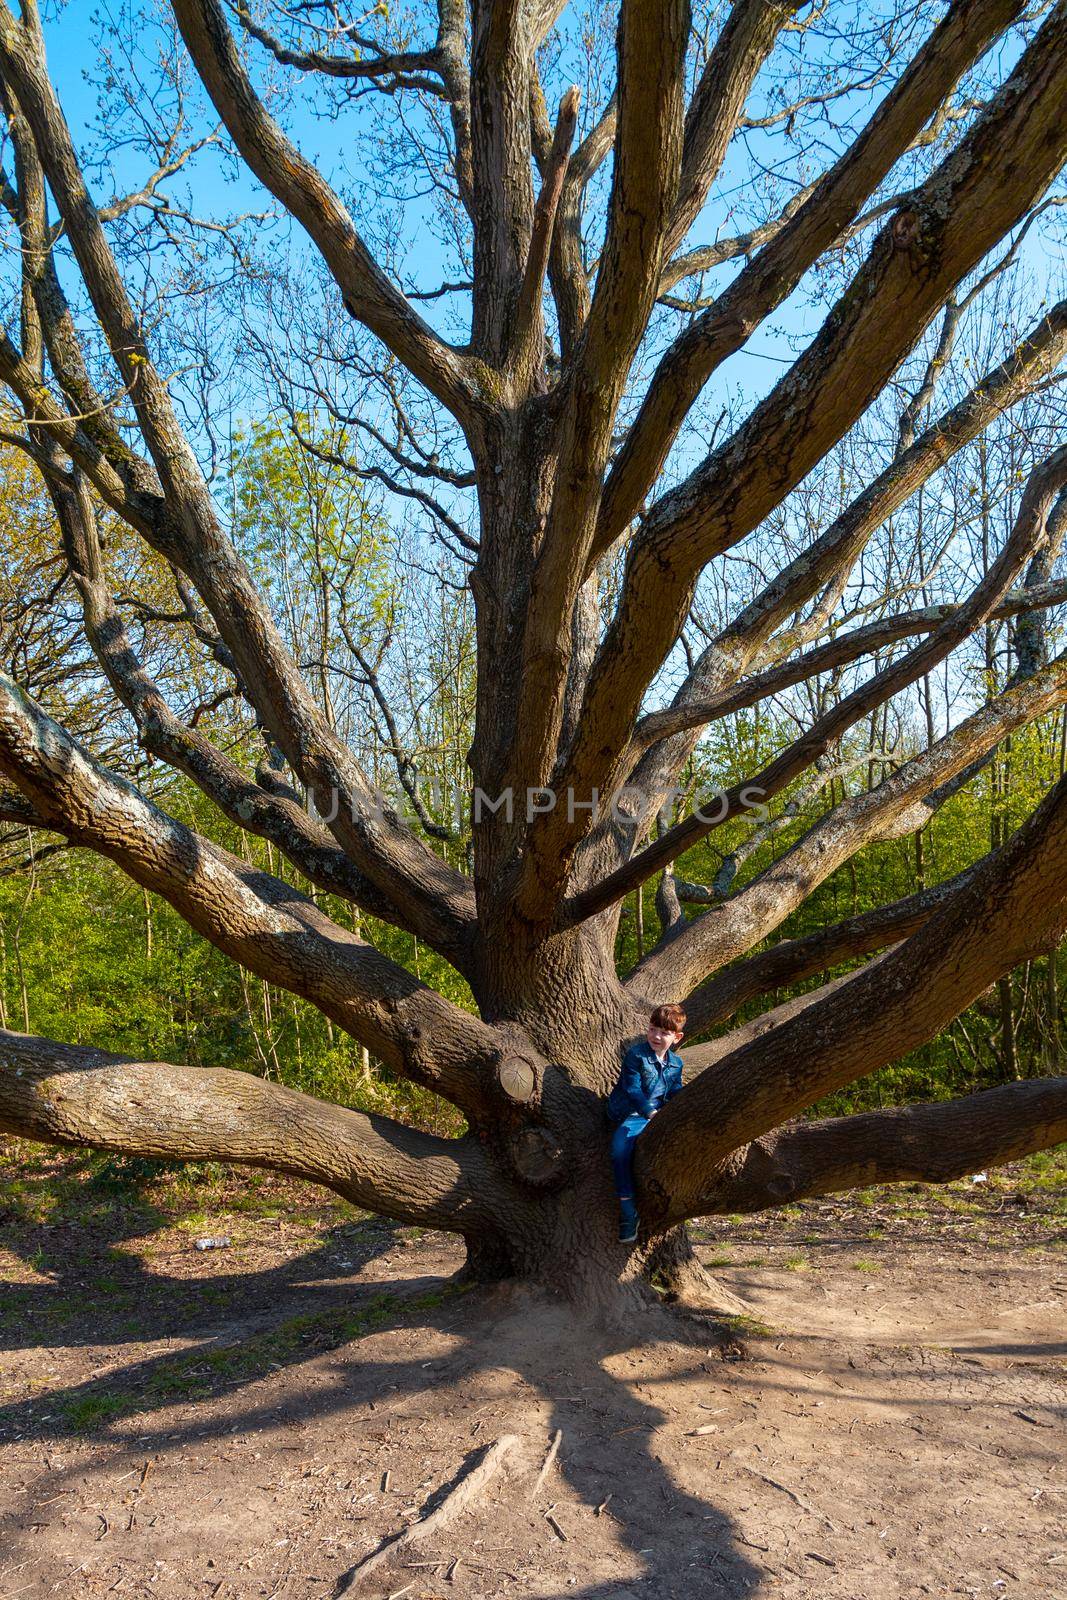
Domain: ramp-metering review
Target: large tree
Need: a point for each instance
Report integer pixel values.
(559, 446)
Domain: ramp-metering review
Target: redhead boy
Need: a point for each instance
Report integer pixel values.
(651, 1074)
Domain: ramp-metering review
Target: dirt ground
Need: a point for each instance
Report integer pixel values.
(253, 1419)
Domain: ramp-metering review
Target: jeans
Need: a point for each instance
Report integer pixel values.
(622, 1152)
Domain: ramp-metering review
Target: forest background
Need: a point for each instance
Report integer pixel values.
(369, 585)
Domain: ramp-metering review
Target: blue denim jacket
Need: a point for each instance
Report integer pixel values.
(643, 1084)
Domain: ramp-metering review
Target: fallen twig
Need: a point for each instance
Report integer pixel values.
(796, 1499)
(556, 1529)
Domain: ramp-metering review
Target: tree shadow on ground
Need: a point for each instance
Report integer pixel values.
(159, 1404)
(88, 1289)
(307, 1318)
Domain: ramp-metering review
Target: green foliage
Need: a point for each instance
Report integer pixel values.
(303, 524)
(86, 955)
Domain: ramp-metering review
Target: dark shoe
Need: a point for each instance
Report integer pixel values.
(629, 1221)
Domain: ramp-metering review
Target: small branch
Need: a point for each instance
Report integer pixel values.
(527, 330)
(546, 1465)
(407, 68)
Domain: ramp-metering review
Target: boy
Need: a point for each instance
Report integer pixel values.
(651, 1073)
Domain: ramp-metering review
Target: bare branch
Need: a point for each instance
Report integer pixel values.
(742, 47)
(1029, 530)
(406, 69)
(962, 37)
(447, 373)
(911, 267)
(899, 804)
(791, 960)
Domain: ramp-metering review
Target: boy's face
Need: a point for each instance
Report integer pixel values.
(661, 1039)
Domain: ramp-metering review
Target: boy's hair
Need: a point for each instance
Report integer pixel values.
(670, 1017)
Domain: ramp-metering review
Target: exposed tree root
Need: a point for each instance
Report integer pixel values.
(671, 1265)
(469, 1485)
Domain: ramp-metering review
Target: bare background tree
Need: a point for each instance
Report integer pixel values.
(549, 548)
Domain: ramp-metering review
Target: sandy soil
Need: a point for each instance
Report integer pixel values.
(252, 1420)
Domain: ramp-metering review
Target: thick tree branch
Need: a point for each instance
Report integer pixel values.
(66, 1094)
(651, 60)
(502, 52)
(900, 1144)
(900, 803)
(742, 47)
(1042, 489)
(260, 921)
(446, 372)
(964, 35)
(979, 192)
(792, 960)
(1012, 909)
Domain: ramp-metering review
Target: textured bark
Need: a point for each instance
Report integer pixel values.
(949, 225)
(898, 805)
(965, 33)
(901, 1144)
(790, 960)
(1030, 526)
(67, 1095)
(899, 1002)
